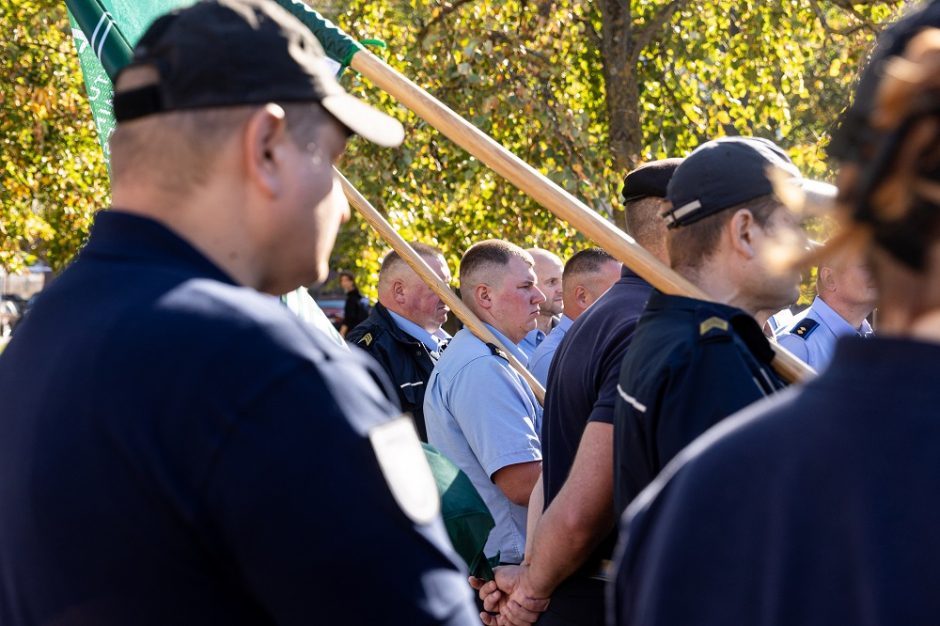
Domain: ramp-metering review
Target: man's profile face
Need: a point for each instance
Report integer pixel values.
(775, 286)
(422, 305)
(516, 299)
(313, 202)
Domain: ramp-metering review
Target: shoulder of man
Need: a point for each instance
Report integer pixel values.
(804, 328)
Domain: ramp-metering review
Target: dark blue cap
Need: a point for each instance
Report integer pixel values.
(649, 180)
(721, 174)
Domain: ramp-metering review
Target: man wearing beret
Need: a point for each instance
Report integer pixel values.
(694, 362)
(575, 536)
(177, 447)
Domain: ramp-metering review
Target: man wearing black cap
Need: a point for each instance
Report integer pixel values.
(576, 534)
(176, 447)
(816, 507)
(694, 362)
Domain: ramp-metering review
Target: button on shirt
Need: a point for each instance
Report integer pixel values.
(541, 358)
(481, 414)
(817, 347)
(691, 364)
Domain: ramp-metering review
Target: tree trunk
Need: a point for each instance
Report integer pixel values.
(620, 78)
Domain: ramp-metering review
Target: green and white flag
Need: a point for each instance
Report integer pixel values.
(105, 32)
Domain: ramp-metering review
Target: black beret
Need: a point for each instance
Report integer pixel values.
(649, 180)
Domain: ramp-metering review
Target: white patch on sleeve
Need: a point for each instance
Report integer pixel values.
(636, 404)
(406, 469)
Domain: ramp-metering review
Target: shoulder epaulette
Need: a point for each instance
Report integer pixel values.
(713, 323)
(496, 351)
(805, 328)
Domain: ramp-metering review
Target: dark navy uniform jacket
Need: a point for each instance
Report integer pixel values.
(816, 507)
(691, 364)
(176, 449)
(406, 360)
(582, 384)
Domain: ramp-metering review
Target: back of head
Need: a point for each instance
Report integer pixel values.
(198, 73)
(644, 197)
(584, 262)
(716, 180)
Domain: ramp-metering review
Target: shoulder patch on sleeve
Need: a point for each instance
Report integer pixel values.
(366, 339)
(406, 469)
(712, 323)
(805, 328)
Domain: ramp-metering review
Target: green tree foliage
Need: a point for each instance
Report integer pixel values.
(53, 174)
(581, 90)
(585, 90)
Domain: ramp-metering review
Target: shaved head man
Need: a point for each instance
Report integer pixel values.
(587, 276)
(548, 269)
(403, 332)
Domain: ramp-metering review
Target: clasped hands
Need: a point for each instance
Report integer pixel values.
(508, 599)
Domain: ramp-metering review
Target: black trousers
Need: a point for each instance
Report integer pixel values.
(576, 602)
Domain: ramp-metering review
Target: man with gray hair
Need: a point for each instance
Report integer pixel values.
(479, 411)
(403, 332)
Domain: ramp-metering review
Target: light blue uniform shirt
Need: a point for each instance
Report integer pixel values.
(531, 341)
(481, 414)
(818, 344)
(541, 359)
(432, 341)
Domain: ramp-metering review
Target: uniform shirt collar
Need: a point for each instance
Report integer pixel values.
(432, 341)
(119, 235)
(512, 347)
(836, 323)
(564, 323)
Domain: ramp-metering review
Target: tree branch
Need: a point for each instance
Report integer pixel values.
(645, 36)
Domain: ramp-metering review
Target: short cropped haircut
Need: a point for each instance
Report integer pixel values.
(393, 259)
(643, 220)
(587, 261)
(484, 256)
(689, 246)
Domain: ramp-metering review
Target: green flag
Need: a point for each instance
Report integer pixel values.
(105, 32)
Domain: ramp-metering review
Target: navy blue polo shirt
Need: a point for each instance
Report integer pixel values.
(816, 507)
(582, 384)
(177, 449)
(692, 363)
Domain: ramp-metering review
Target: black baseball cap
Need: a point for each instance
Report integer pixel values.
(649, 180)
(723, 173)
(222, 53)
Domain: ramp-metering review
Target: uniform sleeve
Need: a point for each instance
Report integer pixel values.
(305, 519)
(710, 385)
(796, 345)
(607, 396)
(496, 415)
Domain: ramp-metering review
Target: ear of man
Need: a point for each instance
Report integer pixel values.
(742, 234)
(265, 142)
(483, 296)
